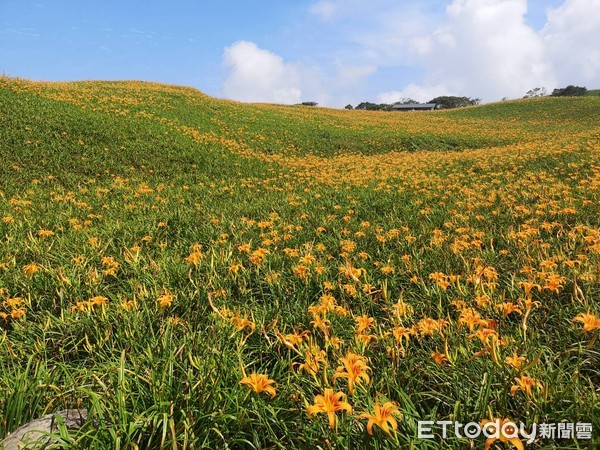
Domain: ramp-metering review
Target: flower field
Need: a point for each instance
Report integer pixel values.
(199, 273)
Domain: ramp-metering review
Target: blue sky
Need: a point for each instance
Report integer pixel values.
(331, 51)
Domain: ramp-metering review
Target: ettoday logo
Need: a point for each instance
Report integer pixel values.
(504, 430)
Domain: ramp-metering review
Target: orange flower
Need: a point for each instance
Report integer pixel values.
(329, 403)
(428, 326)
(363, 323)
(515, 361)
(194, 258)
(501, 430)
(242, 322)
(313, 358)
(589, 321)
(291, 340)
(301, 272)
(470, 318)
(402, 309)
(387, 270)
(528, 287)
(365, 339)
(383, 417)
(554, 282)
(354, 368)
(98, 300)
(401, 334)
(14, 302)
(439, 358)
(165, 300)
(508, 308)
(525, 384)
(260, 383)
(129, 305)
(321, 323)
(18, 313)
(235, 268)
(45, 233)
(31, 269)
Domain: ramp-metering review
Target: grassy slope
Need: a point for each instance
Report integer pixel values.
(140, 173)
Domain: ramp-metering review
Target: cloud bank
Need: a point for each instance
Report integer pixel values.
(476, 48)
(485, 50)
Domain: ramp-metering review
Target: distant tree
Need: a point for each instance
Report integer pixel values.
(348, 107)
(449, 102)
(570, 91)
(536, 92)
(309, 103)
(407, 101)
(368, 106)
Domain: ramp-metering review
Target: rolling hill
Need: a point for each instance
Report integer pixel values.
(165, 254)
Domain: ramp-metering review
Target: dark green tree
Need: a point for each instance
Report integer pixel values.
(570, 91)
(449, 101)
(407, 101)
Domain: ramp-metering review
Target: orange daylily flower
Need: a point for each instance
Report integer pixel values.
(526, 384)
(402, 334)
(439, 358)
(98, 300)
(383, 417)
(428, 326)
(329, 403)
(242, 322)
(260, 383)
(470, 318)
(508, 308)
(515, 361)
(313, 358)
(45, 233)
(363, 323)
(354, 368)
(18, 313)
(165, 300)
(31, 269)
(507, 432)
(589, 321)
(291, 340)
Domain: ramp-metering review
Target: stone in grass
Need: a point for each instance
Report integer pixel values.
(35, 433)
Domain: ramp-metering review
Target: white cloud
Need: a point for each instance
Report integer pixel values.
(415, 92)
(571, 36)
(349, 75)
(257, 75)
(485, 49)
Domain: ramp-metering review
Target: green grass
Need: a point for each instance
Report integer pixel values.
(151, 190)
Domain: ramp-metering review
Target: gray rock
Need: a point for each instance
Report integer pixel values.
(35, 433)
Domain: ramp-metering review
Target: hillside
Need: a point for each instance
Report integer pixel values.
(158, 246)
